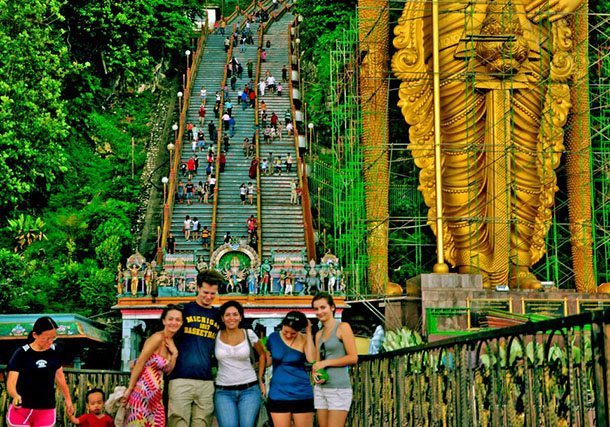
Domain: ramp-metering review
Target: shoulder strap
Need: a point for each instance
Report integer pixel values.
(252, 356)
(336, 327)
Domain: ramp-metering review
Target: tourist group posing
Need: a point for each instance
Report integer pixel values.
(195, 338)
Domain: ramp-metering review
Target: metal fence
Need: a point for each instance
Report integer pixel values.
(550, 373)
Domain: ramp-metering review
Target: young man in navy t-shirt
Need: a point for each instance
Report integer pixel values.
(191, 387)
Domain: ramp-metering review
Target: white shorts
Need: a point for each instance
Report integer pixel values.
(333, 399)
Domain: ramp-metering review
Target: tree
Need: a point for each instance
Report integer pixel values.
(32, 112)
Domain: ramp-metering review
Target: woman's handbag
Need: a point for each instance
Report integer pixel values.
(264, 420)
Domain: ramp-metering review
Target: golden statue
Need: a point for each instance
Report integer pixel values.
(135, 279)
(119, 279)
(505, 75)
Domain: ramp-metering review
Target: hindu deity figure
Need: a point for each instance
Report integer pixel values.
(289, 283)
(235, 275)
(252, 281)
(119, 279)
(148, 278)
(313, 282)
(201, 264)
(135, 270)
(332, 278)
(265, 277)
(282, 281)
(505, 69)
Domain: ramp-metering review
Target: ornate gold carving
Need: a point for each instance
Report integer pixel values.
(505, 99)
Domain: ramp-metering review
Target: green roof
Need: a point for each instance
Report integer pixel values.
(17, 326)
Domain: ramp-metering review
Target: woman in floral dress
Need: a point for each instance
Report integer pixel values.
(144, 396)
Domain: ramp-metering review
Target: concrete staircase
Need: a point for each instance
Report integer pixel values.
(209, 75)
(231, 215)
(282, 223)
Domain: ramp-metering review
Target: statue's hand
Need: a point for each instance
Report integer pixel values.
(551, 9)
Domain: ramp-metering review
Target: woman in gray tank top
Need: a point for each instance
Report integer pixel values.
(336, 350)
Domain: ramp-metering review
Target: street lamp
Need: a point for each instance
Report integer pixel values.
(310, 126)
(171, 147)
(187, 53)
(164, 180)
(180, 102)
(175, 129)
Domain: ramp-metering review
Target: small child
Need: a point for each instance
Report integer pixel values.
(265, 167)
(95, 407)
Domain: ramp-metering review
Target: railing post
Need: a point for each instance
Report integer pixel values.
(600, 344)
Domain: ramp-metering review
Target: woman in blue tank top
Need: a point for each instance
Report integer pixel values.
(335, 351)
(290, 393)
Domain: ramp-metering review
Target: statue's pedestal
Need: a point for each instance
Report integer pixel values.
(450, 303)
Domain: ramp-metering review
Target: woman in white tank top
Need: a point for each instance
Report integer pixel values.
(239, 388)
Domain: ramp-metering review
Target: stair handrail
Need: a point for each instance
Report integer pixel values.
(261, 31)
(168, 204)
(220, 132)
(301, 167)
(259, 215)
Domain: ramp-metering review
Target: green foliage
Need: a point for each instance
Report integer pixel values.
(74, 122)
(124, 40)
(33, 120)
(401, 338)
(26, 230)
(324, 22)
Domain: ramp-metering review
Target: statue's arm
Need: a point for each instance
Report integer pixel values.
(537, 10)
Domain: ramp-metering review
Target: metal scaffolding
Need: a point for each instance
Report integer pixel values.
(336, 182)
(338, 187)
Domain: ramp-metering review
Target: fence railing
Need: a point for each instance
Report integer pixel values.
(550, 373)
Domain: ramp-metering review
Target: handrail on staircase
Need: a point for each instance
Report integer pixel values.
(261, 32)
(168, 204)
(219, 135)
(301, 167)
(259, 216)
(220, 132)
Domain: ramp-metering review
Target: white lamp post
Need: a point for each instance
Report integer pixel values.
(310, 126)
(170, 148)
(164, 180)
